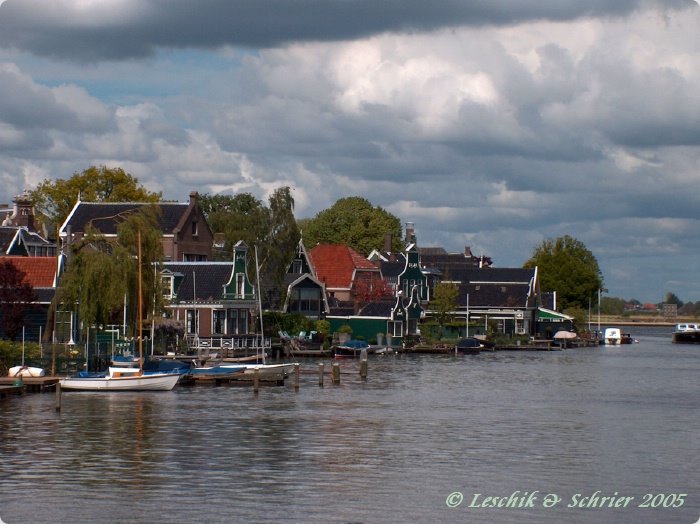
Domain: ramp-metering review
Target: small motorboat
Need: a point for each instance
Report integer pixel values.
(468, 346)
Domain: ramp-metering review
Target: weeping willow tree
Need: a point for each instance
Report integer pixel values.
(101, 280)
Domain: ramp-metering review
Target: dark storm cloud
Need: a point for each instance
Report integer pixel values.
(114, 30)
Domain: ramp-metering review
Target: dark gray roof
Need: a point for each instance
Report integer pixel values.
(7, 235)
(489, 274)
(493, 295)
(44, 295)
(106, 216)
(379, 308)
(204, 281)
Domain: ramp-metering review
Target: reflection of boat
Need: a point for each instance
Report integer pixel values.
(686, 334)
(468, 346)
(612, 337)
(350, 349)
(122, 379)
(125, 378)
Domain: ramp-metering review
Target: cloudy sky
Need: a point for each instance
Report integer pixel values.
(492, 124)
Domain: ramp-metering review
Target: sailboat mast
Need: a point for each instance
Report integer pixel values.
(140, 306)
(257, 278)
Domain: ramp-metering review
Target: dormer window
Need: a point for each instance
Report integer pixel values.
(167, 286)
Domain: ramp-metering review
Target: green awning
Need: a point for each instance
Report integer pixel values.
(547, 315)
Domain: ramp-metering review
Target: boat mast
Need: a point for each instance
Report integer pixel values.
(140, 315)
(257, 278)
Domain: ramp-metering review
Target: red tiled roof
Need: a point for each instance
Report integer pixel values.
(335, 264)
(39, 271)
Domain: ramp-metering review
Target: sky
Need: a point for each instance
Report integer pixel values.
(492, 124)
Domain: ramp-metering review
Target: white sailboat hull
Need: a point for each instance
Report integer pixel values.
(130, 382)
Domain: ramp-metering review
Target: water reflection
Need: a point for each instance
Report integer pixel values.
(388, 450)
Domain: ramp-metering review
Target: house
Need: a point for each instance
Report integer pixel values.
(349, 278)
(212, 299)
(186, 233)
(18, 236)
(41, 274)
(305, 293)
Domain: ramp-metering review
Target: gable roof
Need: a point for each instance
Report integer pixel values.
(39, 271)
(336, 264)
(106, 216)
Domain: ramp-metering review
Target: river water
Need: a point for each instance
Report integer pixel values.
(543, 430)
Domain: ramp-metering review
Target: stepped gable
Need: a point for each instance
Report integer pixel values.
(39, 271)
(106, 216)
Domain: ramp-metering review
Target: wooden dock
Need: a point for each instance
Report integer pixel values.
(30, 384)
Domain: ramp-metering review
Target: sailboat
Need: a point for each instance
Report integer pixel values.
(265, 371)
(125, 378)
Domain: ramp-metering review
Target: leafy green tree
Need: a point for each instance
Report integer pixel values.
(54, 199)
(612, 306)
(673, 299)
(101, 274)
(16, 295)
(273, 229)
(354, 221)
(569, 268)
(444, 302)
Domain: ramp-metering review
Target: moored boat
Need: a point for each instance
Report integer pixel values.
(468, 346)
(686, 334)
(612, 337)
(121, 379)
(350, 349)
(26, 372)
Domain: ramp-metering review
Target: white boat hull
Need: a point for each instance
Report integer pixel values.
(122, 382)
(25, 372)
(265, 370)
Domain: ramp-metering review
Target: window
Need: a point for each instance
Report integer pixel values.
(237, 322)
(192, 322)
(194, 257)
(305, 300)
(240, 285)
(167, 286)
(296, 266)
(219, 321)
(397, 329)
(194, 228)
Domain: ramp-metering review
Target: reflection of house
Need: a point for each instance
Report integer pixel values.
(186, 233)
(40, 273)
(305, 293)
(211, 298)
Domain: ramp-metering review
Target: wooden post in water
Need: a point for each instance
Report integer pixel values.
(363, 369)
(320, 374)
(336, 373)
(256, 380)
(297, 371)
(58, 396)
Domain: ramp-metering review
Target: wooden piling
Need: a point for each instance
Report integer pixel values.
(320, 374)
(297, 371)
(336, 373)
(58, 396)
(256, 380)
(363, 369)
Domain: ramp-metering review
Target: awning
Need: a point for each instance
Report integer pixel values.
(547, 315)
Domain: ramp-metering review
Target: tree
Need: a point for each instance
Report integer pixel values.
(353, 221)
(273, 229)
(671, 298)
(444, 302)
(54, 199)
(16, 296)
(569, 268)
(102, 274)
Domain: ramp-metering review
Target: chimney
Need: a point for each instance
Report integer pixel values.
(387, 242)
(194, 196)
(410, 233)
